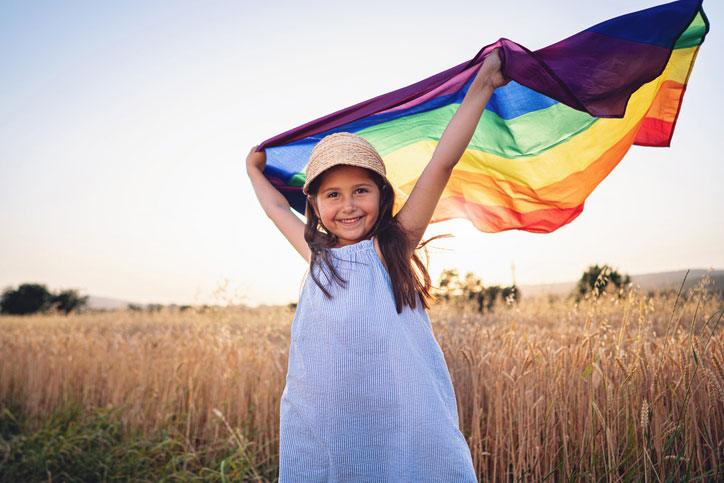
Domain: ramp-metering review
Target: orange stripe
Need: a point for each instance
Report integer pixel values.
(658, 130)
(658, 126)
(666, 103)
(493, 219)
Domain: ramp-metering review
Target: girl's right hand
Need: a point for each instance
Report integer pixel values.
(256, 159)
(274, 204)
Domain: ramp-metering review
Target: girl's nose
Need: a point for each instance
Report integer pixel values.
(349, 204)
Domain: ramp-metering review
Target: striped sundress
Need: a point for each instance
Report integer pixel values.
(368, 396)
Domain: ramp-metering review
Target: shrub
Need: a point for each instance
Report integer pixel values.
(27, 299)
(598, 279)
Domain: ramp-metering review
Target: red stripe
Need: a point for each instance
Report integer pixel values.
(655, 132)
(658, 125)
(493, 219)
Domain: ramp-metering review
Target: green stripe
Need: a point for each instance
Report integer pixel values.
(521, 137)
(693, 35)
(297, 180)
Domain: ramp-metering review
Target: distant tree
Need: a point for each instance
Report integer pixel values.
(470, 290)
(491, 294)
(449, 284)
(27, 299)
(154, 307)
(69, 300)
(511, 294)
(598, 279)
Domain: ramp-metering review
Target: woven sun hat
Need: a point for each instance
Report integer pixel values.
(342, 148)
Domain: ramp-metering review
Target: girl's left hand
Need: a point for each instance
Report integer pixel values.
(490, 72)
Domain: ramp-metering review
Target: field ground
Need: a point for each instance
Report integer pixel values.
(608, 389)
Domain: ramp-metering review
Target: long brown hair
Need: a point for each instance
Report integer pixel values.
(408, 274)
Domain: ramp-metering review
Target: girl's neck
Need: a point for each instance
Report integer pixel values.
(348, 243)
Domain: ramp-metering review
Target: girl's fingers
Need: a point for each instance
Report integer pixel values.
(491, 69)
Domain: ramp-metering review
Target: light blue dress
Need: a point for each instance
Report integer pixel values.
(368, 395)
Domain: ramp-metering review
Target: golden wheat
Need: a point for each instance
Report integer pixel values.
(545, 388)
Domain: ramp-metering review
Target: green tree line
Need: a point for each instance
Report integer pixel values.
(469, 289)
(30, 298)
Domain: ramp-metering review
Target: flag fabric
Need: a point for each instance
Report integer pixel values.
(546, 139)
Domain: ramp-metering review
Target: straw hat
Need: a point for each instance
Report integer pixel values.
(342, 148)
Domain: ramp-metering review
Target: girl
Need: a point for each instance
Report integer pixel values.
(368, 394)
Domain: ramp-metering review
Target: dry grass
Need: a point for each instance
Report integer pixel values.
(608, 389)
(160, 368)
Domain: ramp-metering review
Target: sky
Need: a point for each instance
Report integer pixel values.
(124, 127)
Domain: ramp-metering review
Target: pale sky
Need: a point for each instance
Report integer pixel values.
(124, 127)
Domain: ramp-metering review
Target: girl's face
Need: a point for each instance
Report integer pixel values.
(348, 203)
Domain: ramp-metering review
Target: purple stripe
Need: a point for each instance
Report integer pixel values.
(594, 71)
(589, 71)
(378, 104)
(453, 84)
(365, 108)
(524, 67)
(450, 86)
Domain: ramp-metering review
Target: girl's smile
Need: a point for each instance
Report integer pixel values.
(350, 221)
(348, 203)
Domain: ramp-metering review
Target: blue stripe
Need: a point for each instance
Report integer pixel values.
(659, 26)
(508, 102)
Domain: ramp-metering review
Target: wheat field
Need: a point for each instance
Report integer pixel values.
(614, 388)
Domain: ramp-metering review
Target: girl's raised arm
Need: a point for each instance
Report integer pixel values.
(275, 205)
(415, 215)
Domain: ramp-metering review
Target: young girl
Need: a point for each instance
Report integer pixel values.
(368, 394)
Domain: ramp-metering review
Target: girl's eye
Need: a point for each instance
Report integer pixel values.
(361, 190)
(332, 194)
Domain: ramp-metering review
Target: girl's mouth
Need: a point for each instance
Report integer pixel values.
(350, 221)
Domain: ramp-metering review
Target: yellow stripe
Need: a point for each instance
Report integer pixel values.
(406, 164)
(677, 69)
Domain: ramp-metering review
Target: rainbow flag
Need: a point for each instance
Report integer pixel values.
(545, 140)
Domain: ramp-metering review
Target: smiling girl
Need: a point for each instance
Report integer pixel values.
(368, 394)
